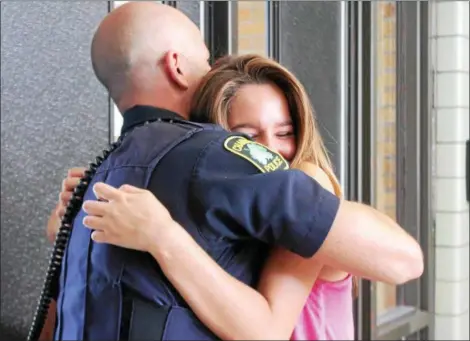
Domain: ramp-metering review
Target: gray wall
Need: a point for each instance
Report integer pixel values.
(54, 115)
(311, 48)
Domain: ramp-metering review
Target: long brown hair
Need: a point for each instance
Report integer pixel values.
(211, 103)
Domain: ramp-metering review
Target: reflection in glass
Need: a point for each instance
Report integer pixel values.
(252, 27)
(384, 56)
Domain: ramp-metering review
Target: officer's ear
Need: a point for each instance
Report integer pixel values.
(175, 67)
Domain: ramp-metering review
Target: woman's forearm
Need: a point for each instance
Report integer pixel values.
(47, 333)
(228, 307)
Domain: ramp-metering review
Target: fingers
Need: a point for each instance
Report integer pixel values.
(99, 237)
(96, 208)
(94, 223)
(69, 184)
(60, 212)
(130, 189)
(65, 197)
(102, 237)
(73, 178)
(106, 192)
(76, 172)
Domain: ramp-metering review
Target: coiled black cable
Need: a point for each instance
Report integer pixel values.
(51, 282)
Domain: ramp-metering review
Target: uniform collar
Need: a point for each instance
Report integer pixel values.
(140, 114)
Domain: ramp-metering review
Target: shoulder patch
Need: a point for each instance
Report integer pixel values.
(263, 158)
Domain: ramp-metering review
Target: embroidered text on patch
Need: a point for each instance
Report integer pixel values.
(263, 158)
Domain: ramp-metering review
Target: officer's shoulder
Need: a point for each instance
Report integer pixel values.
(201, 126)
(238, 151)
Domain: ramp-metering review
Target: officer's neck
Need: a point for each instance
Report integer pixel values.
(177, 106)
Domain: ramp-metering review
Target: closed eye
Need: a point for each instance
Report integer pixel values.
(243, 131)
(285, 134)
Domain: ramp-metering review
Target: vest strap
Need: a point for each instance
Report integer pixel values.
(142, 321)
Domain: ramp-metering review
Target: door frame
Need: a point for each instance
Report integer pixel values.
(414, 318)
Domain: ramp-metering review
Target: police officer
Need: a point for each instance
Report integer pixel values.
(151, 59)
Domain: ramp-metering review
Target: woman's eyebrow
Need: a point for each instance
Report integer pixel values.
(243, 125)
(285, 123)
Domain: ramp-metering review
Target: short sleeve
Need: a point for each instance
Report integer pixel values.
(238, 201)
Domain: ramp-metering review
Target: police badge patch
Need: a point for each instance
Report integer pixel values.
(263, 158)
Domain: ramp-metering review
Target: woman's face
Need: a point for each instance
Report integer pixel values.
(262, 112)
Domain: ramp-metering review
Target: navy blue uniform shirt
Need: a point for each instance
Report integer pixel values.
(230, 199)
(235, 197)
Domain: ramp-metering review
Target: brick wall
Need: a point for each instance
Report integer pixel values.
(450, 69)
(385, 127)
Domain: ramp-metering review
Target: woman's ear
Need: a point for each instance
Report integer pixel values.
(175, 69)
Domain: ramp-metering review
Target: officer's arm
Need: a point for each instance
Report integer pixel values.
(290, 209)
(231, 198)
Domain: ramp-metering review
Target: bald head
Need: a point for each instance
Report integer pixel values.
(130, 46)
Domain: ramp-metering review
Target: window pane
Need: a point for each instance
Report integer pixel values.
(252, 27)
(384, 164)
(192, 9)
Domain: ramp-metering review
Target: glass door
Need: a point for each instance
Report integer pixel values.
(395, 159)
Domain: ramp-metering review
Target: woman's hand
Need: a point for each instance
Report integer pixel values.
(128, 217)
(68, 186)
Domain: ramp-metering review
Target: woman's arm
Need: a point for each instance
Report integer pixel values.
(228, 307)
(47, 333)
(68, 186)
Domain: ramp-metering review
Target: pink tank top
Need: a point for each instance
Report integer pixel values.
(328, 312)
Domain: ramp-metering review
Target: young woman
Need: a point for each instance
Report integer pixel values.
(259, 97)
